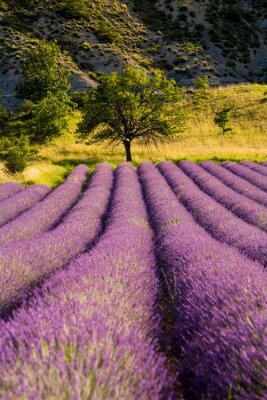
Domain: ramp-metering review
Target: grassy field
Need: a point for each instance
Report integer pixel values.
(201, 140)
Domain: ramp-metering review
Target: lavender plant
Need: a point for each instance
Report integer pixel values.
(235, 182)
(218, 297)
(9, 188)
(216, 219)
(24, 264)
(47, 212)
(88, 333)
(21, 201)
(241, 170)
(247, 209)
(255, 167)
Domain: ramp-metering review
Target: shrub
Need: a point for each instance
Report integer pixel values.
(16, 153)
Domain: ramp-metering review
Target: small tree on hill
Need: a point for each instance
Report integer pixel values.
(43, 73)
(132, 106)
(223, 117)
(202, 93)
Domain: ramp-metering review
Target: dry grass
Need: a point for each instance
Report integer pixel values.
(201, 140)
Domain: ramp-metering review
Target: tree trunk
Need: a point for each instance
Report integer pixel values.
(127, 145)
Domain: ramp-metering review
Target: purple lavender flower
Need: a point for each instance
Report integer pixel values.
(245, 208)
(47, 212)
(241, 170)
(255, 167)
(9, 188)
(218, 221)
(235, 182)
(88, 333)
(21, 201)
(217, 299)
(28, 262)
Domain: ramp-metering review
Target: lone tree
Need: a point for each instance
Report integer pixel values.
(132, 106)
(223, 117)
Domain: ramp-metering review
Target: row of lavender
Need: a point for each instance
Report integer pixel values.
(218, 294)
(88, 333)
(28, 262)
(115, 286)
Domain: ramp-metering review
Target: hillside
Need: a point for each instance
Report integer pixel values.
(226, 40)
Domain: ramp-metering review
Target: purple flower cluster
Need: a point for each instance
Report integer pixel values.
(21, 201)
(245, 208)
(255, 167)
(9, 188)
(87, 334)
(215, 218)
(47, 212)
(28, 262)
(241, 170)
(240, 185)
(219, 298)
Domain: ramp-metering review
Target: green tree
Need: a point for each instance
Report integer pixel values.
(43, 73)
(223, 117)
(49, 116)
(202, 93)
(132, 106)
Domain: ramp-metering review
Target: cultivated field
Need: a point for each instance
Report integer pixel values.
(146, 284)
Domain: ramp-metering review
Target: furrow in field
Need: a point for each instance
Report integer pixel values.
(255, 167)
(217, 296)
(247, 209)
(235, 182)
(43, 215)
(87, 334)
(215, 218)
(241, 170)
(9, 189)
(21, 201)
(25, 264)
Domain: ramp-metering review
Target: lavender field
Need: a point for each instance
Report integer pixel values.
(136, 284)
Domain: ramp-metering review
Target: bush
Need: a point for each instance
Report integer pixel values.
(16, 153)
(80, 98)
(49, 116)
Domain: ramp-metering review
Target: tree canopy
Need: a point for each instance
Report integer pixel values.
(43, 73)
(132, 106)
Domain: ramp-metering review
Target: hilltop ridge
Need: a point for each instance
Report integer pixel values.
(226, 40)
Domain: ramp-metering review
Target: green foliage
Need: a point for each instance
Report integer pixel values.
(3, 6)
(43, 73)
(201, 94)
(16, 153)
(132, 106)
(4, 116)
(73, 9)
(79, 98)
(223, 117)
(49, 116)
(108, 34)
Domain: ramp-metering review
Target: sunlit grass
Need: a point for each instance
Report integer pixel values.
(201, 140)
